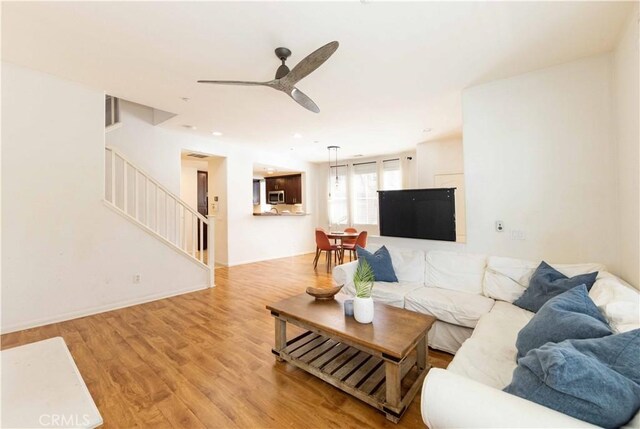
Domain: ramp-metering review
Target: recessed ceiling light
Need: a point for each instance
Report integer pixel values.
(191, 127)
(291, 148)
(297, 136)
(316, 141)
(358, 155)
(426, 130)
(216, 133)
(185, 99)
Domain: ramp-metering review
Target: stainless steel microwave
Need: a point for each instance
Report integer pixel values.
(276, 197)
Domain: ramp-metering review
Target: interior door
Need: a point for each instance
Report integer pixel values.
(455, 181)
(203, 203)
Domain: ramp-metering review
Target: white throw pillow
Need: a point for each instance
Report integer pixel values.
(618, 301)
(507, 278)
(455, 271)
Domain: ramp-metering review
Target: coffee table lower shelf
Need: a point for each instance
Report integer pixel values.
(356, 372)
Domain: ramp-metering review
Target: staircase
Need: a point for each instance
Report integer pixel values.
(135, 195)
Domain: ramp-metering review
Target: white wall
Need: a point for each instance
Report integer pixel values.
(65, 253)
(218, 186)
(438, 157)
(626, 114)
(539, 154)
(189, 180)
(144, 144)
(250, 238)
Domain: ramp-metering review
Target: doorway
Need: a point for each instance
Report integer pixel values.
(203, 186)
(203, 203)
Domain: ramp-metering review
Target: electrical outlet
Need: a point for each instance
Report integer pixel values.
(137, 278)
(517, 234)
(499, 226)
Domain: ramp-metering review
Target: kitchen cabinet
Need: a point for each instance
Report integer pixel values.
(275, 183)
(291, 185)
(293, 189)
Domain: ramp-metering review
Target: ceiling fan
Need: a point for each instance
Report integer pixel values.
(286, 79)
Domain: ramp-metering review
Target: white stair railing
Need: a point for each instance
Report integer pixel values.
(136, 195)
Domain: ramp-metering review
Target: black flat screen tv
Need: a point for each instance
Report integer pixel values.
(418, 213)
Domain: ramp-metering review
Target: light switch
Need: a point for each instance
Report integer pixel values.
(517, 234)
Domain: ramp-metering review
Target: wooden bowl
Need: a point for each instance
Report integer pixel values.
(323, 293)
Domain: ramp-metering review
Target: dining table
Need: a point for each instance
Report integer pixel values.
(341, 235)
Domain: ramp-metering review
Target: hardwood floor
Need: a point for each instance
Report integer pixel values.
(204, 359)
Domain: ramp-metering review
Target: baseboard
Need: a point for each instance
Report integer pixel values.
(253, 261)
(97, 310)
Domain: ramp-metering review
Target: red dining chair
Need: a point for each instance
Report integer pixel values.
(351, 248)
(348, 240)
(324, 245)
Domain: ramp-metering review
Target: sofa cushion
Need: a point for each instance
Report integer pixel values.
(507, 278)
(570, 315)
(458, 308)
(547, 282)
(447, 337)
(455, 271)
(408, 264)
(489, 356)
(596, 380)
(380, 263)
(386, 292)
(618, 302)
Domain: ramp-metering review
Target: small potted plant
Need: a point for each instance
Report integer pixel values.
(363, 303)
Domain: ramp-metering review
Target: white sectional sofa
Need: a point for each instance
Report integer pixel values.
(446, 285)
(471, 296)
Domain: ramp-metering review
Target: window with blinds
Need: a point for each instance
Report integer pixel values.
(391, 175)
(338, 196)
(365, 190)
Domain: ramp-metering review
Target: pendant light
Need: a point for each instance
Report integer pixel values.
(335, 163)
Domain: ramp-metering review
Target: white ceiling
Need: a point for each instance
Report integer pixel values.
(400, 67)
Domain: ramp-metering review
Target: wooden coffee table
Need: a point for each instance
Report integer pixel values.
(382, 363)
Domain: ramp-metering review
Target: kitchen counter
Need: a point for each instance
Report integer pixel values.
(280, 214)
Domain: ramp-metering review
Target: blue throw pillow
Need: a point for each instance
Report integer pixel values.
(380, 263)
(547, 282)
(570, 315)
(620, 352)
(594, 380)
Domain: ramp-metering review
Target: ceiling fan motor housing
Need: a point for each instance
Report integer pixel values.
(282, 54)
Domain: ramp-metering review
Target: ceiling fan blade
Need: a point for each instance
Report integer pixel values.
(302, 99)
(310, 63)
(235, 82)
